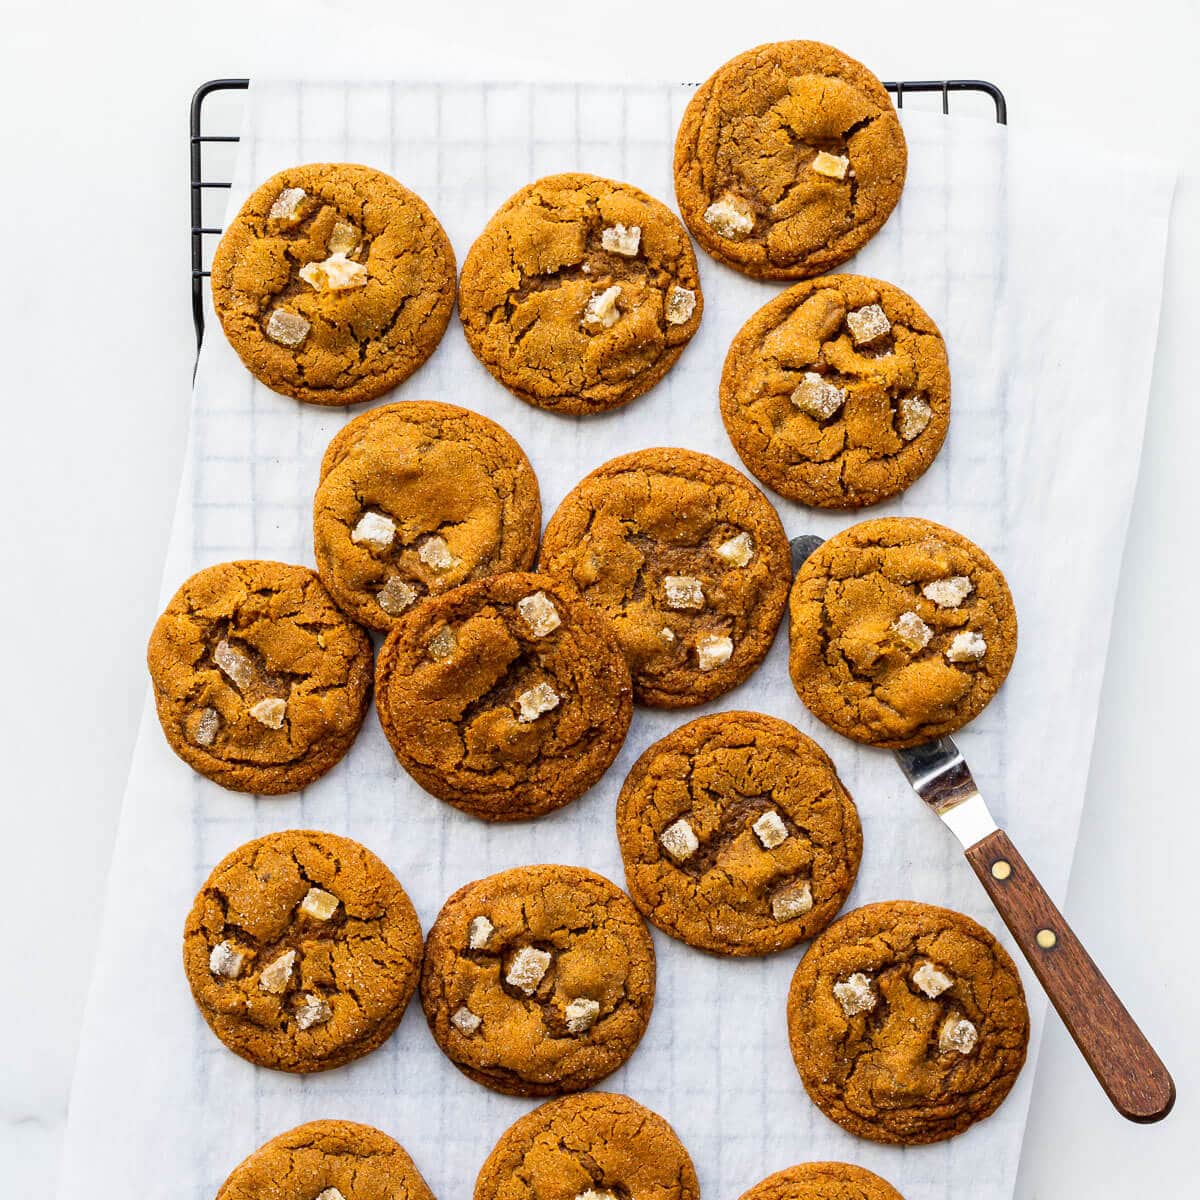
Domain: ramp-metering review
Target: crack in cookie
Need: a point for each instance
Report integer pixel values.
(901, 631)
(260, 682)
(775, 838)
(788, 160)
(416, 498)
(837, 392)
(594, 1145)
(495, 707)
(333, 283)
(302, 951)
(907, 1022)
(687, 559)
(580, 293)
(538, 980)
(327, 1160)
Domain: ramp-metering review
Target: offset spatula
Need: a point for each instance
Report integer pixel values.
(1129, 1070)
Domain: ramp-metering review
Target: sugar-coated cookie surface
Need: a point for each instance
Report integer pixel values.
(823, 1181)
(302, 951)
(580, 293)
(901, 631)
(837, 392)
(416, 498)
(598, 1142)
(737, 835)
(687, 559)
(788, 159)
(907, 1022)
(260, 681)
(538, 980)
(507, 697)
(333, 283)
(327, 1160)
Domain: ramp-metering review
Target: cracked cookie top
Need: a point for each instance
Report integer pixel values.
(416, 498)
(901, 631)
(788, 160)
(907, 1022)
(506, 697)
(260, 681)
(302, 951)
(837, 392)
(327, 1160)
(538, 980)
(333, 283)
(823, 1181)
(737, 834)
(688, 560)
(596, 1146)
(580, 293)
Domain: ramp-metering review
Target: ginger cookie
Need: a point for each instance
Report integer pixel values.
(737, 834)
(507, 697)
(901, 631)
(837, 392)
(302, 951)
(688, 560)
(261, 682)
(327, 1160)
(823, 1181)
(538, 980)
(416, 498)
(788, 160)
(594, 1146)
(907, 1022)
(333, 283)
(580, 293)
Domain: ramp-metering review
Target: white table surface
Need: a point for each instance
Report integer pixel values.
(96, 342)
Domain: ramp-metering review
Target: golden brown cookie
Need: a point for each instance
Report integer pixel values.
(788, 160)
(907, 1022)
(416, 498)
(901, 631)
(327, 1160)
(737, 834)
(688, 560)
(333, 283)
(507, 697)
(302, 951)
(837, 392)
(823, 1181)
(580, 293)
(600, 1143)
(538, 980)
(261, 682)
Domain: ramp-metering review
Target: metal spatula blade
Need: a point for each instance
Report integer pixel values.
(1120, 1056)
(940, 776)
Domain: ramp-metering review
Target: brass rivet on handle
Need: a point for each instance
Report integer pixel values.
(1047, 939)
(1001, 869)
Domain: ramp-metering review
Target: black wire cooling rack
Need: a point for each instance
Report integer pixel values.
(200, 185)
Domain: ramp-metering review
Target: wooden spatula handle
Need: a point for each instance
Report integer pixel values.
(1124, 1062)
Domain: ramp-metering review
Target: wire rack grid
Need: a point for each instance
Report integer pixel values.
(200, 185)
